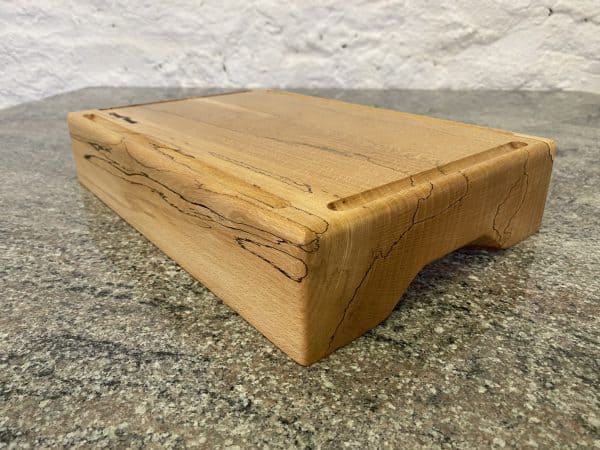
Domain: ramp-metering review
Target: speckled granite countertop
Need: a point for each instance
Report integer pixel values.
(106, 342)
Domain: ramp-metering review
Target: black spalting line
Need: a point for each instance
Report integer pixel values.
(175, 149)
(303, 186)
(125, 118)
(325, 148)
(383, 255)
(156, 191)
(241, 241)
(100, 147)
(524, 177)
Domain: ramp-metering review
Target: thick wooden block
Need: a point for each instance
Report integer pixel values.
(308, 216)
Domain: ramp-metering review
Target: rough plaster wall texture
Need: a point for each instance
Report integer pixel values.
(47, 47)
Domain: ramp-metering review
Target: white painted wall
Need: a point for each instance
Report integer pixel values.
(47, 47)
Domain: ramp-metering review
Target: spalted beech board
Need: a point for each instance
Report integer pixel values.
(309, 216)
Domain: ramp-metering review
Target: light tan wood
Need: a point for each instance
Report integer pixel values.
(309, 216)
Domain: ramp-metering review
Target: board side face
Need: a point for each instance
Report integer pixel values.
(375, 253)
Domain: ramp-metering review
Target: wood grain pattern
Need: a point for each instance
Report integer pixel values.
(309, 216)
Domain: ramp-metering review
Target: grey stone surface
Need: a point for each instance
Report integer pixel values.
(104, 341)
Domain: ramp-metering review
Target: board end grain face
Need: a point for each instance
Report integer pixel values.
(309, 217)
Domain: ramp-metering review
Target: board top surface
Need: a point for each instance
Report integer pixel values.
(308, 151)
